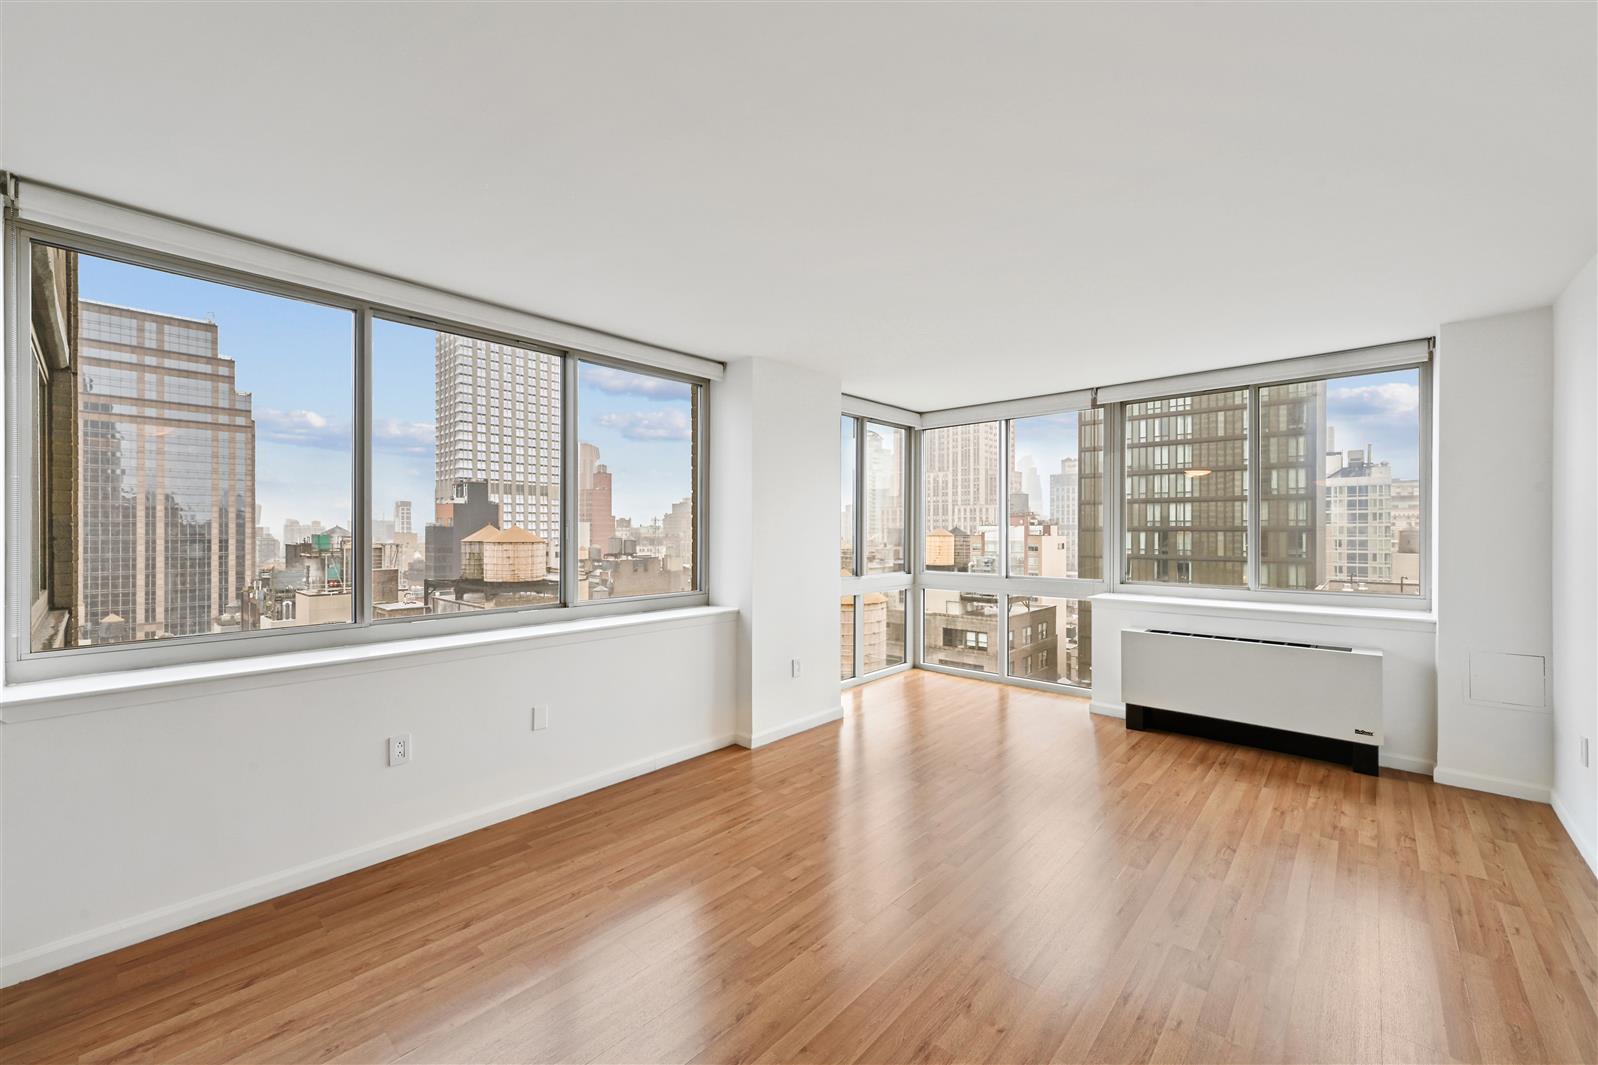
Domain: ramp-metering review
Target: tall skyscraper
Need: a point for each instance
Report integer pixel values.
(498, 419)
(166, 475)
(961, 477)
(402, 516)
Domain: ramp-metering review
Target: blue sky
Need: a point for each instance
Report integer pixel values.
(1381, 410)
(296, 359)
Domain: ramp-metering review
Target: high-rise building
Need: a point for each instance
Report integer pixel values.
(1360, 540)
(1293, 432)
(167, 478)
(961, 477)
(498, 419)
(402, 516)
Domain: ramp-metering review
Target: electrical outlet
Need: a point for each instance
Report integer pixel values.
(399, 749)
(796, 669)
(540, 716)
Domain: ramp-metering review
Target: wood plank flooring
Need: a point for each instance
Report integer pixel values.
(959, 871)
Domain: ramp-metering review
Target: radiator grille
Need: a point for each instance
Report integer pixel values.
(1250, 639)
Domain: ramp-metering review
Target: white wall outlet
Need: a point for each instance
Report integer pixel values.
(796, 669)
(399, 749)
(540, 716)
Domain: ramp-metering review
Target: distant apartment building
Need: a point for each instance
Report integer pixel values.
(498, 421)
(166, 473)
(402, 516)
(297, 532)
(596, 517)
(884, 504)
(1361, 543)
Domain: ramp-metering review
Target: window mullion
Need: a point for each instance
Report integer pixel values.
(568, 479)
(1252, 432)
(361, 519)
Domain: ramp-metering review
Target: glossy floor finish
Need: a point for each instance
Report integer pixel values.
(959, 871)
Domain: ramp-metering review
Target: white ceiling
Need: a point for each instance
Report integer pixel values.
(941, 204)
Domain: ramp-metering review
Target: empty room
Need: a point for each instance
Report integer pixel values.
(816, 532)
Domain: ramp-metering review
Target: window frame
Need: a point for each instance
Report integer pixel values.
(272, 271)
(1255, 590)
(859, 583)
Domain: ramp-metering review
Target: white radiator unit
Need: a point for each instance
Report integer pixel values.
(1272, 688)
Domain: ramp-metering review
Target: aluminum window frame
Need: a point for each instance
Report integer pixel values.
(1002, 584)
(23, 664)
(1269, 375)
(859, 583)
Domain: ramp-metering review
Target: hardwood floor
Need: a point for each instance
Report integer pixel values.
(959, 871)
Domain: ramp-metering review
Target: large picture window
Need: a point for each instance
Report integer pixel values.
(200, 456)
(212, 456)
(636, 462)
(466, 473)
(1340, 485)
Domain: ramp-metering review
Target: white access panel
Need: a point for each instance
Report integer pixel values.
(1321, 691)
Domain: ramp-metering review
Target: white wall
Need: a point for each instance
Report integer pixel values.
(1494, 457)
(141, 813)
(774, 540)
(1409, 697)
(1575, 550)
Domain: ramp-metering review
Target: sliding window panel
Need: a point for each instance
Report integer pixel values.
(195, 466)
(1050, 640)
(1185, 485)
(1046, 506)
(960, 498)
(636, 474)
(466, 473)
(1340, 484)
(882, 496)
(960, 630)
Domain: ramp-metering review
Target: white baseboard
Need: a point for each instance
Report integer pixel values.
(1583, 842)
(1117, 710)
(96, 941)
(1515, 789)
(1408, 763)
(792, 728)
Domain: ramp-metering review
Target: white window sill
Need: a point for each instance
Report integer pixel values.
(68, 696)
(1298, 613)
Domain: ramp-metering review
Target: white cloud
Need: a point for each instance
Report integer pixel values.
(301, 428)
(652, 425)
(1384, 400)
(624, 383)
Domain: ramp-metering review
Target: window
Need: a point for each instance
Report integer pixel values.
(485, 540)
(960, 484)
(882, 629)
(846, 549)
(636, 469)
(960, 629)
(195, 452)
(1186, 477)
(1340, 493)
(1045, 497)
(188, 424)
(1053, 639)
(883, 499)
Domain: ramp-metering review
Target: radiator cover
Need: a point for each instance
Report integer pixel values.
(1316, 690)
